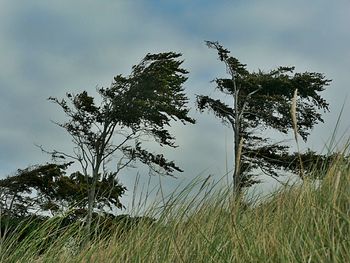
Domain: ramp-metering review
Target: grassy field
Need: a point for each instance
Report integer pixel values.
(302, 223)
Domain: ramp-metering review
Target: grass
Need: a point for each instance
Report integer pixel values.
(300, 223)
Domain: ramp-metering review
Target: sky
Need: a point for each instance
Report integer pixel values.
(49, 48)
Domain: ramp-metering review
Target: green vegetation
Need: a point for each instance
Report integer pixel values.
(133, 109)
(46, 189)
(300, 223)
(48, 216)
(260, 101)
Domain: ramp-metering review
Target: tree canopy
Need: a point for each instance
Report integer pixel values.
(134, 108)
(47, 189)
(261, 101)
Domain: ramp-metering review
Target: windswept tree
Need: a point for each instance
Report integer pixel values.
(134, 108)
(262, 101)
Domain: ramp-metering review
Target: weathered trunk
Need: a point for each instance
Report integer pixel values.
(237, 142)
(237, 171)
(92, 197)
(91, 201)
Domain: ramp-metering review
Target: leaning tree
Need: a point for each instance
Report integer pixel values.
(134, 108)
(261, 101)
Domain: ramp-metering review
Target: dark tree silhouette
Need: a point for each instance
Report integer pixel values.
(136, 107)
(260, 101)
(46, 188)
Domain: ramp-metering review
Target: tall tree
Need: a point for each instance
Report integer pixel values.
(261, 101)
(136, 107)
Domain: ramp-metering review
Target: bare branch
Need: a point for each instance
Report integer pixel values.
(57, 154)
(247, 98)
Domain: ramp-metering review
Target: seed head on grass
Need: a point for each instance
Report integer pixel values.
(295, 128)
(294, 114)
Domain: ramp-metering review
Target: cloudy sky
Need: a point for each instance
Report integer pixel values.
(48, 48)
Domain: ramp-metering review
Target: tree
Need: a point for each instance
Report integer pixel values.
(137, 107)
(43, 189)
(37, 191)
(261, 101)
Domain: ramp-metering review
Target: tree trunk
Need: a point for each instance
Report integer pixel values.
(237, 171)
(238, 161)
(237, 142)
(91, 200)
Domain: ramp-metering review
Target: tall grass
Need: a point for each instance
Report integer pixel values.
(301, 223)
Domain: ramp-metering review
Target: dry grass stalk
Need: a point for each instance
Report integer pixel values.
(294, 114)
(295, 128)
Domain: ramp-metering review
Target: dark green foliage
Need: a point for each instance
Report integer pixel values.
(120, 225)
(47, 188)
(151, 96)
(21, 227)
(134, 108)
(42, 232)
(262, 101)
(143, 103)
